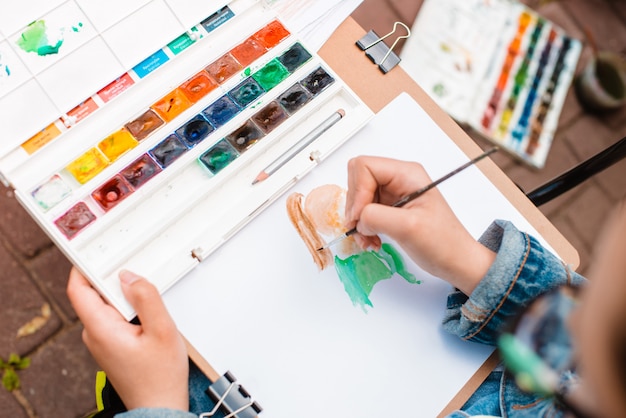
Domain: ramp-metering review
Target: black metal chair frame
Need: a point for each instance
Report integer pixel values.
(578, 174)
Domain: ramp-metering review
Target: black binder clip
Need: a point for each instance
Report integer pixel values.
(231, 399)
(378, 51)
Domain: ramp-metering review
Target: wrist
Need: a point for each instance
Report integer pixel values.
(473, 267)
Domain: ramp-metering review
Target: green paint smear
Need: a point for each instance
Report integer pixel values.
(360, 272)
(35, 39)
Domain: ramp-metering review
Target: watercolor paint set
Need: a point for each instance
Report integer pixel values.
(152, 168)
(496, 66)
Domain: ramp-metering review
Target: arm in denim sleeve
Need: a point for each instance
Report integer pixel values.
(155, 413)
(522, 270)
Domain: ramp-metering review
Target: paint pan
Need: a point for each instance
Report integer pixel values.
(245, 136)
(117, 144)
(112, 192)
(271, 74)
(219, 156)
(317, 81)
(246, 92)
(270, 117)
(140, 171)
(194, 131)
(51, 192)
(144, 125)
(172, 105)
(248, 51)
(295, 57)
(88, 165)
(224, 68)
(168, 151)
(198, 86)
(221, 111)
(294, 98)
(75, 220)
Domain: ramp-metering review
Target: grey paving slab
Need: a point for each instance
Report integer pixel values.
(10, 406)
(601, 21)
(17, 226)
(613, 181)
(588, 136)
(20, 302)
(50, 269)
(588, 212)
(60, 380)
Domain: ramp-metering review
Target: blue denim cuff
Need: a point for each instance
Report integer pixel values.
(522, 270)
(156, 413)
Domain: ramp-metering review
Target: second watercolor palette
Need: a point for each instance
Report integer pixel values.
(498, 67)
(158, 179)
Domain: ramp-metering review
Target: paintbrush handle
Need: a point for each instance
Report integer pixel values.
(406, 199)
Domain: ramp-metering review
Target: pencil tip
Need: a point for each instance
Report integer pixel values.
(262, 176)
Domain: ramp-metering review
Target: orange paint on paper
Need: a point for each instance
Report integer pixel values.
(88, 165)
(40, 139)
(81, 111)
(172, 105)
(117, 144)
(198, 86)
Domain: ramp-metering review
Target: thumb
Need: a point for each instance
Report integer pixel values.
(146, 300)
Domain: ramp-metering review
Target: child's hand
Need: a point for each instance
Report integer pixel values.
(426, 228)
(147, 364)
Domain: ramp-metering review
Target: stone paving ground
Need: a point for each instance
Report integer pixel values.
(60, 379)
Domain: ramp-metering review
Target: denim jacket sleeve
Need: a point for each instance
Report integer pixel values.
(523, 269)
(156, 413)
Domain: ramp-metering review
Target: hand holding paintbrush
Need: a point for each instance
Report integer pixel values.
(425, 227)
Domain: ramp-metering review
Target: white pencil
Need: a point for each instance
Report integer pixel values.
(299, 146)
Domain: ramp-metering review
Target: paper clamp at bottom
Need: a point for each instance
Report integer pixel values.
(231, 399)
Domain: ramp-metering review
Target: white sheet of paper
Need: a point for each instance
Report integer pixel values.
(289, 333)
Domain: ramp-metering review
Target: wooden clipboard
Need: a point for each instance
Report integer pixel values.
(377, 89)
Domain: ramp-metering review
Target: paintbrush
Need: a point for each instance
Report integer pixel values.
(416, 194)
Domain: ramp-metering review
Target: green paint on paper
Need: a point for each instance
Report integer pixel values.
(77, 28)
(35, 39)
(247, 72)
(396, 263)
(5, 71)
(360, 272)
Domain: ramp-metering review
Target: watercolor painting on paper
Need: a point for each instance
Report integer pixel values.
(318, 218)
